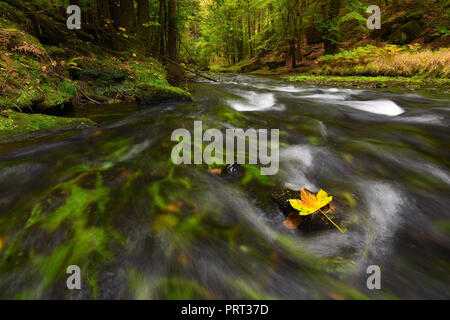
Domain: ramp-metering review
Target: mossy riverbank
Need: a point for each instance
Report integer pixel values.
(370, 66)
(372, 82)
(16, 125)
(40, 81)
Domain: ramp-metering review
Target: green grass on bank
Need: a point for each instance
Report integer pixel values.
(372, 82)
(389, 60)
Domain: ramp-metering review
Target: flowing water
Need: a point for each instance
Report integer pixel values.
(109, 200)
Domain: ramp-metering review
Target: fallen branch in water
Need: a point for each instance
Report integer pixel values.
(85, 95)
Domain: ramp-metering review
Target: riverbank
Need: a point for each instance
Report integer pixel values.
(409, 67)
(372, 82)
(40, 83)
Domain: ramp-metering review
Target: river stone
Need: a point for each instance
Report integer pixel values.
(149, 93)
(311, 223)
(233, 172)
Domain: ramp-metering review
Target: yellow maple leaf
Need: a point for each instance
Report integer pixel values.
(311, 203)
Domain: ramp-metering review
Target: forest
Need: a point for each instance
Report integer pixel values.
(311, 38)
(349, 97)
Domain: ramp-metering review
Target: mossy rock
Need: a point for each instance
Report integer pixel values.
(413, 29)
(406, 33)
(10, 14)
(415, 15)
(149, 93)
(399, 37)
(14, 125)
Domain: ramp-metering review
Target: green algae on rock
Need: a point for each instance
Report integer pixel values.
(15, 124)
(148, 93)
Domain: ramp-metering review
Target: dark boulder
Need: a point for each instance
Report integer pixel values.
(233, 172)
(149, 93)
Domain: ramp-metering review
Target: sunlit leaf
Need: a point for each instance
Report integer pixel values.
(311, 203)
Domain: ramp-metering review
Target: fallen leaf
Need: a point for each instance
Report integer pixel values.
(2, 243)
(172, 208)
(292, 221)
(311, 203)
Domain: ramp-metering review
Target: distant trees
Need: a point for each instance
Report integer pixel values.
(212, 31)
(151, 26)
(243, 29)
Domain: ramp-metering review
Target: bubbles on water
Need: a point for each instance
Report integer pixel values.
(254, 101)
(289, 89)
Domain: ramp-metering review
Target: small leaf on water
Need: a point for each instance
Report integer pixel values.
(173, 208)
(2, 243)
(292, 221)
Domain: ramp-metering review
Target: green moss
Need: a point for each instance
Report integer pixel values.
(126, 77)
(372, 82)
(15, 123)
(148, 93)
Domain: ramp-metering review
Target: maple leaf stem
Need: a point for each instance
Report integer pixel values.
(331, 221)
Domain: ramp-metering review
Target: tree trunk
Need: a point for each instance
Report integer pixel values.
(127, 18)
(331, 37)
(172, 31)
(293, 55)
(162, 24)
(143, 18)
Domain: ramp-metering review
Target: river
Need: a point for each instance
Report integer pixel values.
(109, 199)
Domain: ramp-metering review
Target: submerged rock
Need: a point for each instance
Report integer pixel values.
(314, 222)
(233, 172)
(148, 93)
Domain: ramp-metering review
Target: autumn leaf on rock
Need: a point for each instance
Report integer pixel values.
(311, 203)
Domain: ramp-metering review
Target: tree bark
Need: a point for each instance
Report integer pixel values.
(143, 18)
(172, 31)
(162, 24)
(330, 41)
(127, 18)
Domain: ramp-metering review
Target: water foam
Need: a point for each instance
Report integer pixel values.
(384, 107)
(254, 101)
